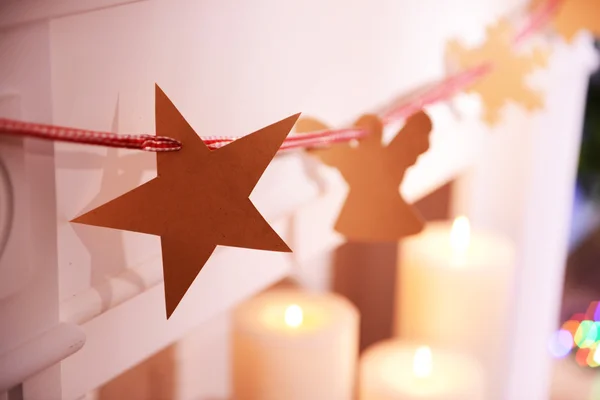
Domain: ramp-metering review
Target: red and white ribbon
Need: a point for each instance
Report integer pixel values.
(84, 136)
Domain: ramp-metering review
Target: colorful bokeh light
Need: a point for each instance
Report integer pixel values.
(571, 326)
(561, 343)
(592, 357)
(582, 357)
(586, 334)
(594, 311)
(597, 355)
(582, 334)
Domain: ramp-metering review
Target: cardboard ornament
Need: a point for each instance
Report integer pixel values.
(374, 210)
(199, 199)
(573, 16)
(509, 70)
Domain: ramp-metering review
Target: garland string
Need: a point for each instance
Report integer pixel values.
(443, 91)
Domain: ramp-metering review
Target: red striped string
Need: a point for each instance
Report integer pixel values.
(538, 19)
(444, 91)
(447, 89)
(107, 139)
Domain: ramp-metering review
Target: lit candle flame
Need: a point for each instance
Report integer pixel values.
(422, 362)
(293, 316)
(460, 235)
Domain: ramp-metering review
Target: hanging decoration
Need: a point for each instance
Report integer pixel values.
(508, 71)
(570, 17)
(198, 200)
(200, 197)
(374, 209)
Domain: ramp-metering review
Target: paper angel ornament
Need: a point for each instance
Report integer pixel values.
(374, 209)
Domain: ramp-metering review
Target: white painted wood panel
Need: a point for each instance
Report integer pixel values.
(33, 308)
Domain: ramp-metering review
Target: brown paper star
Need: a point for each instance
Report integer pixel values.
(374, 209)
(506, 81)
(199, 199)
(574, 16)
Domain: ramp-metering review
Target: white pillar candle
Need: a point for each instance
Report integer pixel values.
(393, 370)
(293, 345)
(454, 289)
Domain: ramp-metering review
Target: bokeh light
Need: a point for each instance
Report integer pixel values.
(582, 356)
(561, 343)
(597, 355)
(581, 333)
(578, 317)
(571, 326)
(586, 334)
(592, 360)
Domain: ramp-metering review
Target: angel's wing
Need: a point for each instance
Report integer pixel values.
(411, 141)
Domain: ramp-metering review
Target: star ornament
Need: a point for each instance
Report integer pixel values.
(199, 199)
(507, 79)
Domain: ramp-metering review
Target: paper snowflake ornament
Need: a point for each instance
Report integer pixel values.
(509, 69)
